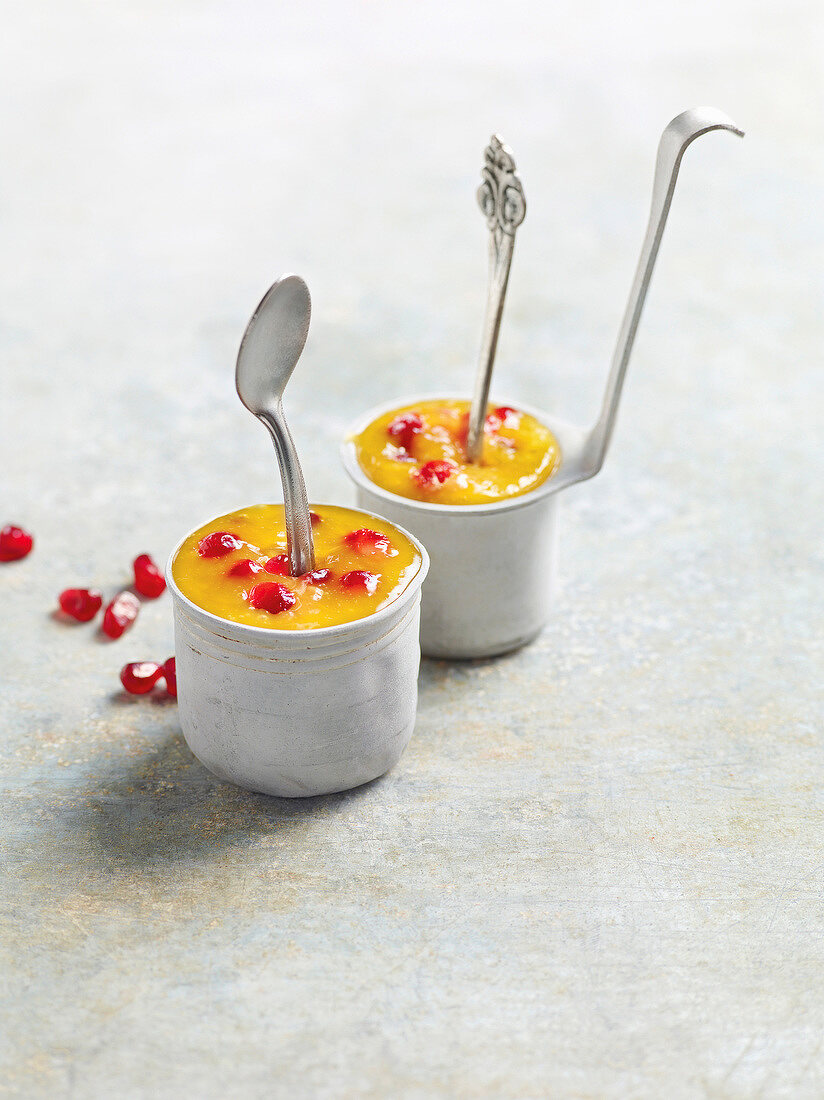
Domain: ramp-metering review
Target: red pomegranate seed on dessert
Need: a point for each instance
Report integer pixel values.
(360, 580)
(168, 671)
(218, 544)
(404, 428)
(279, 565)
(139, 677)
(507, 416)
(245, 568)
(315, 518)
(318, 576)
(80, 603)
(120, 614)
(433, 474)
(366, 541)
(15, 543)
(272, 597)
(148, 580)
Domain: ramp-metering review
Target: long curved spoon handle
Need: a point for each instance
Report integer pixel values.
(501, 198)
(683, 130)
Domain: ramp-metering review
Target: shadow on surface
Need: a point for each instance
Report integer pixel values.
(436, 671)
(166, 806)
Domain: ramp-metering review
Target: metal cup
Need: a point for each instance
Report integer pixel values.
(299, 712)
(493, 576)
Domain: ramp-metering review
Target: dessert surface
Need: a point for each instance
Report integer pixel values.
(237, 566)
(419, 451)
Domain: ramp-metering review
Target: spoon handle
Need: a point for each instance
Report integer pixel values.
(295, 501)
(501, 198)
(683, 130)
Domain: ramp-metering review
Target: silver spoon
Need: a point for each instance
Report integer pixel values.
(269, 352)
(501, 198)
(583, 450)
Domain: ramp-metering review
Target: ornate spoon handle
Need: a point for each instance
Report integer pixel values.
(501, 198)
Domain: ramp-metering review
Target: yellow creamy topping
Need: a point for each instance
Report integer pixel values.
(237, 567)
(419, 451)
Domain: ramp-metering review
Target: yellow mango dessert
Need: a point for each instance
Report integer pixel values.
(419, 451)
(237, 567)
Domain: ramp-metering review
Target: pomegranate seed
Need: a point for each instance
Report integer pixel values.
(365, 541)
(245, 568)
(315, 518)
(279, 565)
(169, 672)
(507, 415)
(15, 543)
(404, 428)
(272, 597)
(218, 544)
(148, 580)
(435, 473)
(81, 603)
(319, 576)
(120, 614)
(361, 579)
(140, 677)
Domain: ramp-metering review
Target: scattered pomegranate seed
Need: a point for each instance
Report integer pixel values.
(15, 543)
(366, 541)
(318, 576)
(361, 579)
(433, 474)
(272, 597)
(404, 428)
(279, 565)
(315, 518)
(148, 580)
(139, 677)
(80, 603)
(245, 568)
(218, 544)
(169, 672)
(120, 614)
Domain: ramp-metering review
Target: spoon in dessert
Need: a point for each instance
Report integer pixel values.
(583, 450)
(269, 352)
(501, 198)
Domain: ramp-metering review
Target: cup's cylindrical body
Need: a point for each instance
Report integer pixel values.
(493, 577)
(493, 574)
(298, 712)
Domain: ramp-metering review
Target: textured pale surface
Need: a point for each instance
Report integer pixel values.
(597, 871)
